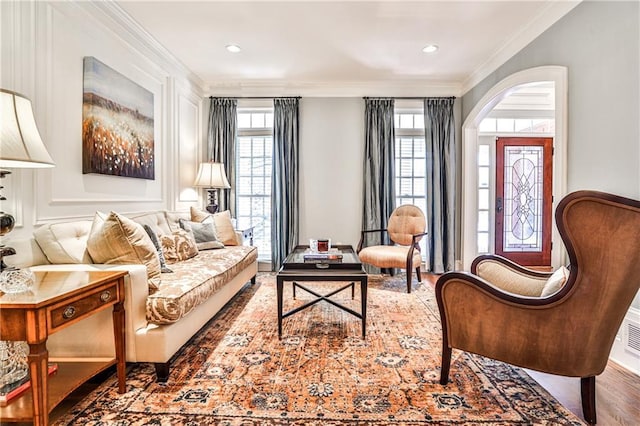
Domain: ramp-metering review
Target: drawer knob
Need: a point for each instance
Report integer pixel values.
(105, 296)
(69, 312)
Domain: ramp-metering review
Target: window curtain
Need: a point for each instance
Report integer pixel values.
(441, 165)
(221, 141)
(284, 181)
(379, 165)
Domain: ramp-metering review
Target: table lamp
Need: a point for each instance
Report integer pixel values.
(211, 175)
(20, 147)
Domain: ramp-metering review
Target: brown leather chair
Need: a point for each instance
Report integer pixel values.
(569, 332)
(406, 227)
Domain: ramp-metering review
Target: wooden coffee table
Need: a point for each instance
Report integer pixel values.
(295, 270)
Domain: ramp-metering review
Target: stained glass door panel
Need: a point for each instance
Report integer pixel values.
(523, 200)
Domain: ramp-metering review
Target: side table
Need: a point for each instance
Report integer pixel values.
(59, 299)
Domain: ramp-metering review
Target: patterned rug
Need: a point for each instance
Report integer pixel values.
(237, 372)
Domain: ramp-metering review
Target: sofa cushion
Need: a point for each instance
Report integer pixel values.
(156, 220)
(114, 239)
(195, 280)
(204, 233)
(179, 245)
(65, 242)
(556, 281)
(222, 222)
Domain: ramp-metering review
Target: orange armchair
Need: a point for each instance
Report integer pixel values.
(406, 227)
(569, 332)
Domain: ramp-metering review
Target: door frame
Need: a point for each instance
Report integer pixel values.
(556, 74)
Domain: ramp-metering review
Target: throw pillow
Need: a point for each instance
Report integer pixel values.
(556, 281)
(225, 231)
(156, 244)
(114, 239)
(204, 233)
(179, 245)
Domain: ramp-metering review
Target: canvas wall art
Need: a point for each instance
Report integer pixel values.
(117, 124)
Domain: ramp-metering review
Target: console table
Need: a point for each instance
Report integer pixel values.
(57, 300)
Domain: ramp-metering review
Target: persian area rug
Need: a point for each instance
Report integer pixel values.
(236, 371)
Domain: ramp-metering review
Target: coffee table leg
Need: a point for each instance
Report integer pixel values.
(279, 285)
(363, 301)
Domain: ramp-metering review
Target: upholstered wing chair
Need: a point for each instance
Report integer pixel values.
(569, 332)
(406, 227)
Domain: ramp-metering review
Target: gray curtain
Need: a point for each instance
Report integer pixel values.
(284, 181)
(221, 145)
(440, 141)
(379, 167)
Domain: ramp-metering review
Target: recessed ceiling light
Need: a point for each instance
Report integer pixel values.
(430, 48)
(233, 48)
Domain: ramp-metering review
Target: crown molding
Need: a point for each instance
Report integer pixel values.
(132, 33)
(277, 88)
(554, 11)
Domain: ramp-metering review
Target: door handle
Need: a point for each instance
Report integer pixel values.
(499, 204)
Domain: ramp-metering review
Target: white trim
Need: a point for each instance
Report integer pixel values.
(539, 24)
(556, 74)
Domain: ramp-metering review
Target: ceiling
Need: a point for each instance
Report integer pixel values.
(343, 48)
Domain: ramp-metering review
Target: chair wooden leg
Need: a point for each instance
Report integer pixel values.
(446, 364)
(418, 274)
(588, 393)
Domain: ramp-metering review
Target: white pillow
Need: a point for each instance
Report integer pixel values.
(556, 281)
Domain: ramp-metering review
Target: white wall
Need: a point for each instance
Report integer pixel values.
(42, 50)
(331, 161)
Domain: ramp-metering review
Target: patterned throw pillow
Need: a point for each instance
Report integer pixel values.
(179, 245)
(203, 232)
(156, 244)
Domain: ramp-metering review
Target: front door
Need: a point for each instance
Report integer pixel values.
(524, 200)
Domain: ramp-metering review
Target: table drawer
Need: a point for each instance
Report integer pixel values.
(72, 311)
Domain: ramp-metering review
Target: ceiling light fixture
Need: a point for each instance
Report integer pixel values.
(430, 48)
(233, 48)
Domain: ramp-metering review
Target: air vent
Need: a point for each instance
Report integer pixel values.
(631, 336)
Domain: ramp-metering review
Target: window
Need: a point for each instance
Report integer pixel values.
(410, 160)
(253, 174)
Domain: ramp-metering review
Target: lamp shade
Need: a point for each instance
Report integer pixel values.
(20, 143)
(211, 175)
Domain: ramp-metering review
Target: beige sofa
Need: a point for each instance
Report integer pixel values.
(160, 316)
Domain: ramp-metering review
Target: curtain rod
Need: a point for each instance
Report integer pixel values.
(255, 97)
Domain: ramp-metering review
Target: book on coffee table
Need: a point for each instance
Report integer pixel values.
(323, 258)
(12, 390)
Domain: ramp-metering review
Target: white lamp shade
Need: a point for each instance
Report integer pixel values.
(211, 175)
(20, 143)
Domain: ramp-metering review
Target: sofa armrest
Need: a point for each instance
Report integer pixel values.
(136, 292)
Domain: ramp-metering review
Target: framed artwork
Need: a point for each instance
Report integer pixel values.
(117, 124)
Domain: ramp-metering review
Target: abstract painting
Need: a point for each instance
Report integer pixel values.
(117, 124)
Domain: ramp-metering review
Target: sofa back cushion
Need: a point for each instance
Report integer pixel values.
(65, 242)
(114, 239)
(155, 220)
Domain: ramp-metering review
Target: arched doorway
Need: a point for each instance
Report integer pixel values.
(556, 75)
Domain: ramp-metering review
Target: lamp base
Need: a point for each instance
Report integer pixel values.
(213, 205)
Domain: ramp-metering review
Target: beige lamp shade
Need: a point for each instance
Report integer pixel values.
(211, 175)
(20, 143)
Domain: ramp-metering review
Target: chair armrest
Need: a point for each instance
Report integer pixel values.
(509, 276)
(366, 231)
(526, 331)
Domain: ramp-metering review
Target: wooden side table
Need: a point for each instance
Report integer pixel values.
(57, 300)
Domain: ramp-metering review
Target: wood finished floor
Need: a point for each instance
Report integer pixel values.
(617, 392)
